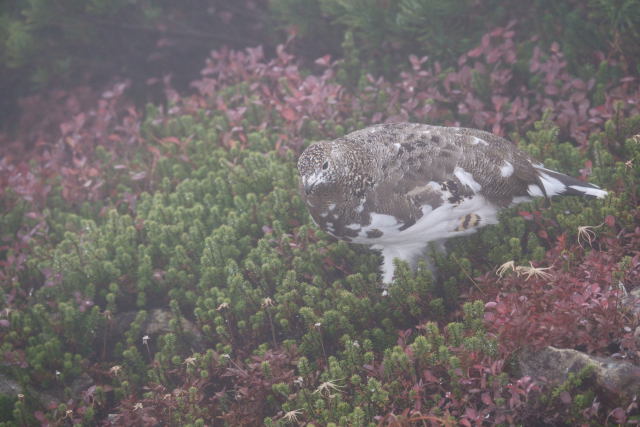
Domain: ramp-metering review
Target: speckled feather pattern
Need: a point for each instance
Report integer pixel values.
(399, 186)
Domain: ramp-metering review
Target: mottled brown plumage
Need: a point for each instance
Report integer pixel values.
(399, 186)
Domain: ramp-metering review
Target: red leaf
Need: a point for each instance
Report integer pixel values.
(526, 215)
(551, 89)
(610, 220)
(324, 61)
(429, 377)
(502, 308)
(471, 413)
(474, 53)
(138, 176)
(486, 399)
(153, 150)
(171, 139)
(486, 39)
(619, 415)
(289, 114)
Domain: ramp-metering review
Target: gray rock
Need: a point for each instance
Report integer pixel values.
(157, 323)
(9, 387)
(43, 397)
(616, 378)
(631, 300)
(631, 307)
(57, 393)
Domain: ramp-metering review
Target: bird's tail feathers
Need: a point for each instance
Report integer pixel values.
(555, 183)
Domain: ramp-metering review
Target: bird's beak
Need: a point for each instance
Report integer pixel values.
(308, 186)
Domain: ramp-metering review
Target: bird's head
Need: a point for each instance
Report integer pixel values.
(334, 172)
(318, 169)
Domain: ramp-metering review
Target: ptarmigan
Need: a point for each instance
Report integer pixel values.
(399, 186)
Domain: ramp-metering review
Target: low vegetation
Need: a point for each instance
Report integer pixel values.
(115, 217)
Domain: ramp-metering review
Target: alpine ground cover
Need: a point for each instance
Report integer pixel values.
(116, 218)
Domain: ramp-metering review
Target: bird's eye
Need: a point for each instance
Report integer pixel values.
(325, 166)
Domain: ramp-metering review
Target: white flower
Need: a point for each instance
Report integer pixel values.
(292, 416)
(504, 267)
(326, 387)
(521, 270)
(587, 233)
(532, 271)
